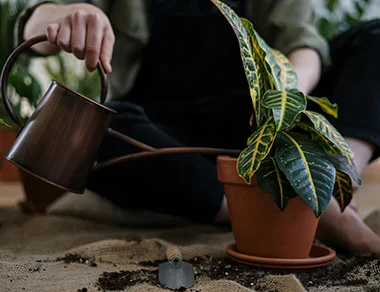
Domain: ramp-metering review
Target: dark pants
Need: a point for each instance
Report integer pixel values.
(186, 185)
(353, 82)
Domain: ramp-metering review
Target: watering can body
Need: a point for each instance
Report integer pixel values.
(60, 141)
(66, 130)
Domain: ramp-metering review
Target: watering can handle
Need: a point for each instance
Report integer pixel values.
(7, 69)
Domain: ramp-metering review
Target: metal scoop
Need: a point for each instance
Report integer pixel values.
(175, 273)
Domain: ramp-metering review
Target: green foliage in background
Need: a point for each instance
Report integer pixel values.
(2, 122)
(70, 72)
(337, 20)
(22, 85)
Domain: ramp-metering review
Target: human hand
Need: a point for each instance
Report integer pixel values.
(87, 33)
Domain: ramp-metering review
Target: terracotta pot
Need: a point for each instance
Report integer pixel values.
(38, 194)
(259, 227)
(8, 171)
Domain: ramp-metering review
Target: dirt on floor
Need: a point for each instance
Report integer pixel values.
(342, 274)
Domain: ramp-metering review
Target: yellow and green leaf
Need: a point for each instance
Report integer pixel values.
(285, 105)
(340, 163)
(260, 53)
(343, 190)
(272, 180)
(334, 153)
(279, 70)
(323, 126)
(325, 143)
(325, 104)
(309, 171)
(286, 78)
(251, 69)
(258, 146)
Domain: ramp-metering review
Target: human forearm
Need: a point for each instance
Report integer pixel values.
(307, 64)
(82, 29)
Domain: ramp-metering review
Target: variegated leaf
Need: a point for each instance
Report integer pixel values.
(323, 126)
(343, 190)
(325, 104)
(286, 106)
(258, 146)
(333, 152)
(287, 78)
(325, 143)
(260, 53)
(308, 169)
(272, 180)
(340, 163)
(252, 73)
(281, 73)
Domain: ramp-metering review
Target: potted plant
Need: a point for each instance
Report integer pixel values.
(294, 162)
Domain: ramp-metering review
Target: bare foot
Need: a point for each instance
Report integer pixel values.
(347, 231)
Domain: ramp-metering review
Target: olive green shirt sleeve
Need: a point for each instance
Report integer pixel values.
(287, 25)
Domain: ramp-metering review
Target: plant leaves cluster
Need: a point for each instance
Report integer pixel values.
(292, 150)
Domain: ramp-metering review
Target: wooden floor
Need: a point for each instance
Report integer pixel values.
(367, 197)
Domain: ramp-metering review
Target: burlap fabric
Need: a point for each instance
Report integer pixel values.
(34, 253)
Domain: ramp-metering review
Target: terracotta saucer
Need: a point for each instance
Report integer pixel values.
(320, 256)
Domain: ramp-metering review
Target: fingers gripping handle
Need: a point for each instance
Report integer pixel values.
(8, 66)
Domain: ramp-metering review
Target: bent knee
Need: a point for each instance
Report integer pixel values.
(369, 34)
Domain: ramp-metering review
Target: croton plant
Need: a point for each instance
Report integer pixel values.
(292, 150)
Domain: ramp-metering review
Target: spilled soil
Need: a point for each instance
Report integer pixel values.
(76, 258)
(352, 272)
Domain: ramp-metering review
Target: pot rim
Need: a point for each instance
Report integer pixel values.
(227, 172)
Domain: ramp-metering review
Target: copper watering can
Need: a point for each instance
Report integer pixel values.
(60, 142)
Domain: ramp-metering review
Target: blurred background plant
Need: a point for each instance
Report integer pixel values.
(24, 89)
(71, 72)
(339, 15)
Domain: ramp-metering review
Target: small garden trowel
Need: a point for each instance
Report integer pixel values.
(175, 273)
